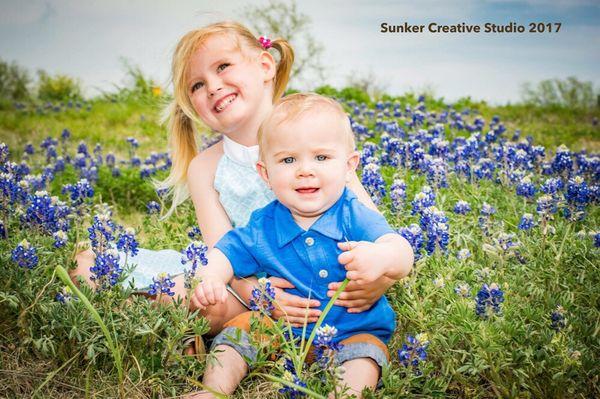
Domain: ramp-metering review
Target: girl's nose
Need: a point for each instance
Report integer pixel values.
(213, 86)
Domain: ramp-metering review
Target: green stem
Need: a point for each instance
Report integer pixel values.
(64, 276)
(322, 317)
(292, 385)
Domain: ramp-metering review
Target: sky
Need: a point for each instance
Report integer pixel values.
(89, 39)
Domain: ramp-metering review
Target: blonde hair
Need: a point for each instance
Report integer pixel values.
(180, 113)
(296, 105)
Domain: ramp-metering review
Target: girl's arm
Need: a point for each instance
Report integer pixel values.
(358, 298)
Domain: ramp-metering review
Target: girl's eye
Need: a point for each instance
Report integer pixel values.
(321, 157)
(222, 67)
(288, 160)
(197, 85)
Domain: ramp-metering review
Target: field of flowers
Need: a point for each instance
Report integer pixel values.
(503, 300)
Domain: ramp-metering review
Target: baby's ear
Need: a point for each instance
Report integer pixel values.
(353, 160)
(262, 172)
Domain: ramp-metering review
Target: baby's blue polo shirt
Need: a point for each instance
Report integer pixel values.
(272, 242)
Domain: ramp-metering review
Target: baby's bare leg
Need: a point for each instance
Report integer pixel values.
(223, 373)
(85, 260)
(360, 373)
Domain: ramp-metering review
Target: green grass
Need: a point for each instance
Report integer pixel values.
(52, 350)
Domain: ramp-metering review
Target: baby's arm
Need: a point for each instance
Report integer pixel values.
(213, 279)
(390, 256)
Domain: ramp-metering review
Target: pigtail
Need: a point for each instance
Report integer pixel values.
(182, 141)
(284, 66)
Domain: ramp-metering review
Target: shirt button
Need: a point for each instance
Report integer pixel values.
(323, 273)
(309, 241)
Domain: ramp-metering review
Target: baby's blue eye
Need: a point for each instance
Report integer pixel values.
(321, 157)
(222, 67)
(288, 160)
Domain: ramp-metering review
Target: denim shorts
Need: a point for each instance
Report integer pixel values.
(360, 345)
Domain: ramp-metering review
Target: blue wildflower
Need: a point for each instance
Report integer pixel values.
(325, 346)
(526, 222)
(194, 233)
(106, 270)
(463, 254)
(64, 295)
(414, 235)
(525, 188)
(558, 319)
(463, 290)
(373, 182)
(262, 297)
(562, 161)
(60, 239)
(25, 255)
(462, 207)
(577, 196)
(414, 352)
(79, 191)
(488, 300)
(195, 253)
(127, 242)
(423, 199)
(153, 207)
(161, 284)
(435, 224)
(398, 194)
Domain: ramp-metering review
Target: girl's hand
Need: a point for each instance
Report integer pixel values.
(292, 307)
(210, 291)
(360, 297)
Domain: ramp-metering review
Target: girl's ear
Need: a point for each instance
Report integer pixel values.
(262, 171)
(268, 65)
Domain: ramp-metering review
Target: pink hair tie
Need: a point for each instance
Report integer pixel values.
(265, 42)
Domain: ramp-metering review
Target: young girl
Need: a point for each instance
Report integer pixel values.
(225, 78)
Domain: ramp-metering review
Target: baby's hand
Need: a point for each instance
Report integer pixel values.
(210, 291)
(361, 260)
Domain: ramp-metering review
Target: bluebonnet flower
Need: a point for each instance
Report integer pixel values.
(488, 300)
(161, 284)
(552, 186)
(59, 164)
(79, 191)
(325, 347)
(110, 160)
(484, 169)
(29, 149)
(463, 168)
(293, 393)
(65, 135)
(562, 161)
(463, 254)
(101, 232)
(414, 235)
(439, 282)
(435, 224)
(373, 182)
(506, 243)
(162, 192)
(484, 217)
(64, 295)
(82, 149)
(127, 242)
(558, 319)
(597, 239)
(423, 199)
(60, 239)
(133, 142)
(546, 205)
(194, 233)
(152, 207)
(435, 168)
(80, 161)
(98, 154)
(136, 161)
(463, 289)
(462, 207)
(398, 194)
(262, 297)
(4, 153)
(526, 222)
(195, 253)
(25, 255)
(47, 213)
(577, 196)
(414, 352)
(525, 188)
(106, 270)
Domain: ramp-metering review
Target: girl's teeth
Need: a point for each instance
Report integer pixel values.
(225, 103)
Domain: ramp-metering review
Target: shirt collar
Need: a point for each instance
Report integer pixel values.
(329, 224)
